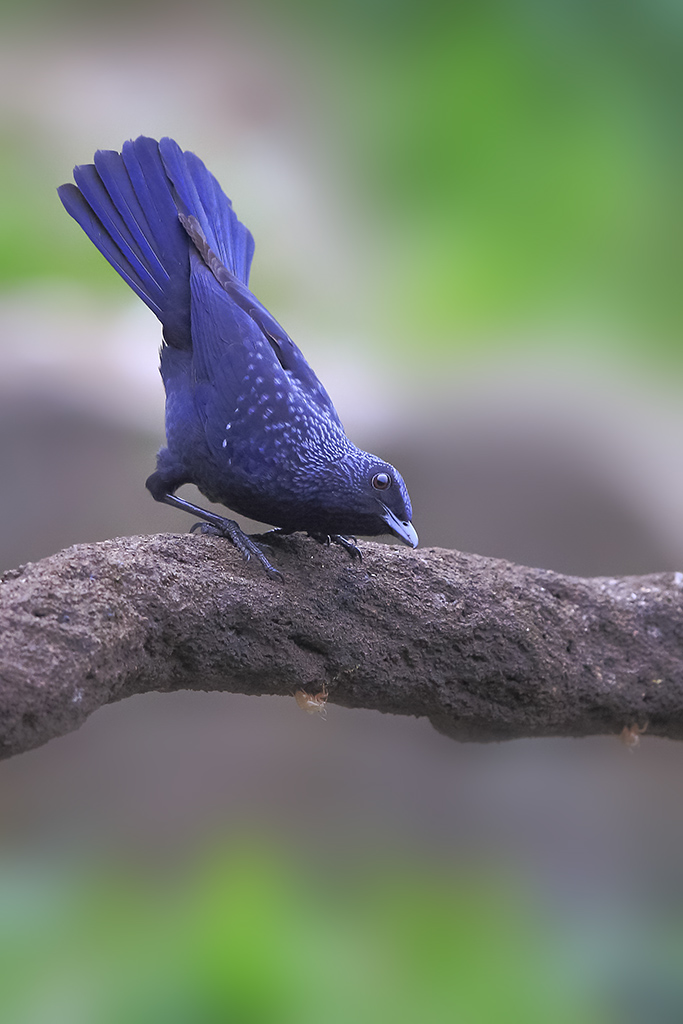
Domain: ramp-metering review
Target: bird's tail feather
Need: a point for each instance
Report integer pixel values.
(128, 204)
(201, 196)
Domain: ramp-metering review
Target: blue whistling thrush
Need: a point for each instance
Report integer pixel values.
(247, 420)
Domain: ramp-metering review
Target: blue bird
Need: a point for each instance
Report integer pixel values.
(247, 420)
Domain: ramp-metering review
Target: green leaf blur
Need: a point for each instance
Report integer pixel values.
(529, 157)
(254, 938)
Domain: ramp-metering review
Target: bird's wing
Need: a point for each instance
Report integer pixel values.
(288, 355)
(236, 374)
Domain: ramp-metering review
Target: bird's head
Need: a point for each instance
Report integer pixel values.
(372, 499)
(387, 493)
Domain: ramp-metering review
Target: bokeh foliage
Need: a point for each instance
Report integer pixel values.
(529, 156)
(251, 937)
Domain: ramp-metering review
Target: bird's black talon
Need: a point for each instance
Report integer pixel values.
(229, 529)
(320, 538)
(247, 547)
(349, 544)
(256, 551)
(207, 529)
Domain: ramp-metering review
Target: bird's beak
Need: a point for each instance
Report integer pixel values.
(404, 531)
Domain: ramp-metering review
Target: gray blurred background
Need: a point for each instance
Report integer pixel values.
(470, 221)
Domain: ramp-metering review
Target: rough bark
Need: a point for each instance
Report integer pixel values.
(485, 649)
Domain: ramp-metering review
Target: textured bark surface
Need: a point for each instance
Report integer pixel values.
(486, 649)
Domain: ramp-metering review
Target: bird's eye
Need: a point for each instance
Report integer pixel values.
(381, 481)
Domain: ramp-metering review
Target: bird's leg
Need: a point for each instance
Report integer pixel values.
(222, 527)
(348, 543)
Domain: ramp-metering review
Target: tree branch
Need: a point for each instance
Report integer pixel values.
(486, 649)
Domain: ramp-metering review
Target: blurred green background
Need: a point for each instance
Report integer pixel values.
(469, 216)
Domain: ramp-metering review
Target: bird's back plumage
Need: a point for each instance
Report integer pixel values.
(247, 419)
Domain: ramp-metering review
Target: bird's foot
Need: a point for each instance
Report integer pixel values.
(244, 544)
(348, 543)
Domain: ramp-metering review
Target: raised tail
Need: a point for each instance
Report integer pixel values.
(128, 204)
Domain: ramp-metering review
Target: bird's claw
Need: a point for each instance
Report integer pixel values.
(348, 543)
(244, 544)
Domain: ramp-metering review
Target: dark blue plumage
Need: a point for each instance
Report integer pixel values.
(247, 420)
